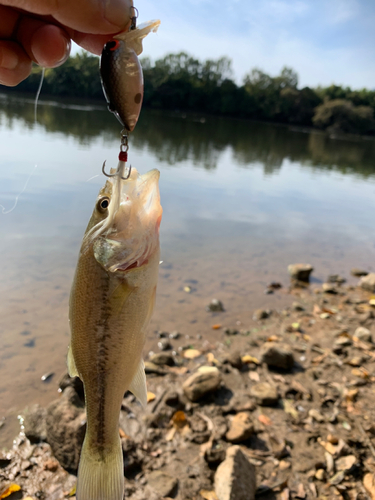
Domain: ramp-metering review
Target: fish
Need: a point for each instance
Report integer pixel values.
(111, 302)
(122, 76)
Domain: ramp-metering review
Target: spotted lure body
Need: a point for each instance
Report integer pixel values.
(122, 76)
(111, 302)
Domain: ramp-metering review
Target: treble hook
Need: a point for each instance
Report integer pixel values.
(117, 173)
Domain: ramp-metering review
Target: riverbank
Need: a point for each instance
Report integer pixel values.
(286, 400)
(180, 82)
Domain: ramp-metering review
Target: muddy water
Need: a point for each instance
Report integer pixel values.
(241, 201)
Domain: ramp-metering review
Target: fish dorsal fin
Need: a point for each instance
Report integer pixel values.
(72, 369)
(138, 384)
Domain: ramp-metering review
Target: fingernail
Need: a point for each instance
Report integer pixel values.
(68, 46)
(117, 12)
(8, 58)
(45, 54)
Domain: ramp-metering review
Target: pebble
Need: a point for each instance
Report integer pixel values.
(277, 355)
(336, 278)
(261, 314)
(175, 335)
(358, 272)
(316, 415)
(264, 393)
(300, 272)
(162, 358)
(233, 358)
(235, 477)
(215, 306)
(343, 341)
(296, 306)
(164, 484)
(241, 428)
(320, 474)
(345, 463)
(330, 288)
(368, 282)
(164, 344)
(363, 334)
(153, 368)
(205, 380)
(231, 331)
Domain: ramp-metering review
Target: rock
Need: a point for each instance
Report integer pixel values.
(205, 380)
(152, 368)
(215, 454)
(164, 345)
(316, 415)
(66, 425)
(34, 422)
(233, 358)
(231, 331)
(241, 428)
(162, 358)
(330, 288)
(363, 334)
(300, 272)
(320, 474)
(75, 382)
(277, 355)
(264, 394)
(343, 341)
(336, 278)
(368, 282)
(345, 463)
(296, 306)
(164, 484)
(261, 314)
(358, 272)
(369, 484)
(235, 477)
(175, 335)
(215, 306)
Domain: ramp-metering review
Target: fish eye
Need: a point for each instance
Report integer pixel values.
(103, 204)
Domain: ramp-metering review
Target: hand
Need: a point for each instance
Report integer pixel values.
(42, 30)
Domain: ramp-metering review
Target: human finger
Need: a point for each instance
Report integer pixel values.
(87, 16)
(15, 65)
(46, 44)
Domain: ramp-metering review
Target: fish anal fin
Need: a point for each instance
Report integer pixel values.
(138, 384)
(72, 369)
(99, 477)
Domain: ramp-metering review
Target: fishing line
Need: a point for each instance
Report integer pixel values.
(38, 94)
(4, 211)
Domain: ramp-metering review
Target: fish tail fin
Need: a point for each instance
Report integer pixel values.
(101, 478)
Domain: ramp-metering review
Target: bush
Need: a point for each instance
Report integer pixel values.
(340, 115)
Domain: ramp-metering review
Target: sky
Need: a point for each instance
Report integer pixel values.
(325, 41)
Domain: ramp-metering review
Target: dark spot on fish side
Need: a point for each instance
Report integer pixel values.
(25, 332)
(137, 98)
(30, 343)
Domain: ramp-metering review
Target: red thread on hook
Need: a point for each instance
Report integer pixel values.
(123, 156)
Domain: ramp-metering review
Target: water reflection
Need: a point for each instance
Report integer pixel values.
(177, 138)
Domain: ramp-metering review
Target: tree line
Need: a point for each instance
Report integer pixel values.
(182, 82)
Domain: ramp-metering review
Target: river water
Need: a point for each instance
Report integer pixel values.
(241, 201)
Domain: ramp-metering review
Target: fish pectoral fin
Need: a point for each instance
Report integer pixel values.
(138, 384)
(119, 296)
(72, 369)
